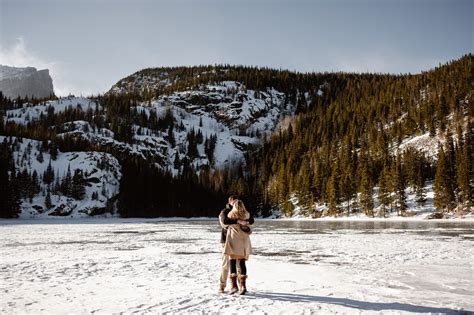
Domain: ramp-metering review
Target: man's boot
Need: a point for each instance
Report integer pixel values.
(233, 283)
(243, 288)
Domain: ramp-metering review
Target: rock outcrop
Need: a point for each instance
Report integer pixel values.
(23, 82)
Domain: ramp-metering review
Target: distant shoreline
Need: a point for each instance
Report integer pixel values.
(115, 219)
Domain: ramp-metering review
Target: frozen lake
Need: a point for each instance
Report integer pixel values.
(118, 265)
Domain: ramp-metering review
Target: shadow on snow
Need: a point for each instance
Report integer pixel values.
(362, 305)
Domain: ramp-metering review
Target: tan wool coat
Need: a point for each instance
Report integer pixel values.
(237, 244)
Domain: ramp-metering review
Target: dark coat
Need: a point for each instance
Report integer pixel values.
(225, 221)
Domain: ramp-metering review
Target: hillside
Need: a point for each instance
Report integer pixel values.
(76, 183)
(314, 144)
(227, 114)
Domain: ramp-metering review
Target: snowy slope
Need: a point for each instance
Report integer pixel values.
(239, 117)
(424, 143)
(102, 173)
(29, 113)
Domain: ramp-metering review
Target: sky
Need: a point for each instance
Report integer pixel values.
(89, 45)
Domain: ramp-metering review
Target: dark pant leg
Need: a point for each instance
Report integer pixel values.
(233, 266)
(243, 268)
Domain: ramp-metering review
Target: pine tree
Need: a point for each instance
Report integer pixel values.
(451, 159)
(57, 183)
(177, 161)
(347, 182)
(282, 184)
(78, 185)
(47, 200)
(384, 193)
(199, 137)
(10, 198)
(209, 148)
(66, 183)
(332, 190)
(400, 184)
(318, 182)
(443, 188)
(48, 175)
(53, 151)
(34, 180)
(420, 195)
(332, 195)
(366, 195)
(40, 157)
(464, 175)
(288, 208)
(192, 145)
(416, 176)
(171, 138)
(304, 186)
(347, 187)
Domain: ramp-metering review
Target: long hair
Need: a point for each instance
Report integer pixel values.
(239, 212)
(232, 198)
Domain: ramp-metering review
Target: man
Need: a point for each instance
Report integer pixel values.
(225, 222)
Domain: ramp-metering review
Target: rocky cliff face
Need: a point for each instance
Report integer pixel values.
(23, 82)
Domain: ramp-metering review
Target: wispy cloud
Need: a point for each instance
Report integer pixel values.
(20, 55)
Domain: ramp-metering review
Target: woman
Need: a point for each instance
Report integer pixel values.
(238, 246)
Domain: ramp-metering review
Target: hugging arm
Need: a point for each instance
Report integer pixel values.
(249, 221)
(228, 221)
(221, 220)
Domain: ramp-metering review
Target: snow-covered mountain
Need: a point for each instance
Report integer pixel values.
(201, 130)
(25, 82)
(237, 117)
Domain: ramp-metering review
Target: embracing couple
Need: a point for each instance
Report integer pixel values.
(235, 240)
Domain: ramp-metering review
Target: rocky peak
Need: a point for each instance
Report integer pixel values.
(26, 81)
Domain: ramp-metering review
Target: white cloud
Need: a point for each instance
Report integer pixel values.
(19, 55)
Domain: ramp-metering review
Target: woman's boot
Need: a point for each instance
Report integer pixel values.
(221, 288)
(243, 287)
(233, 283)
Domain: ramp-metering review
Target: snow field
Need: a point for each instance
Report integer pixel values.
(299, 267)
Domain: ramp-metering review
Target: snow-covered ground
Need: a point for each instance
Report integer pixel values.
(299, 267)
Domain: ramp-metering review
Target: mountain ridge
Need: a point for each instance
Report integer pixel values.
(268, 135)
